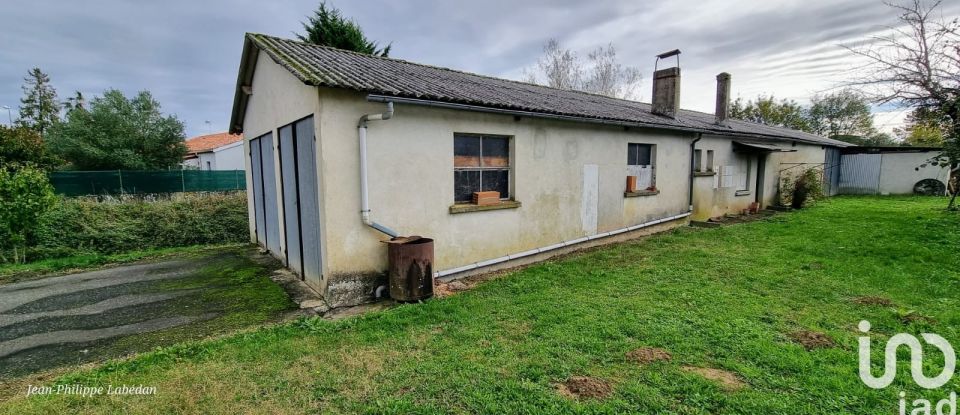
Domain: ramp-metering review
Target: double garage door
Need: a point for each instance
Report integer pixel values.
(296, 198)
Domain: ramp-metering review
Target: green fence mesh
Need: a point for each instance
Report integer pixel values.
(80, 183)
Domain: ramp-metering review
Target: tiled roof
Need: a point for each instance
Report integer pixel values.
(209, 142)
(336, 68)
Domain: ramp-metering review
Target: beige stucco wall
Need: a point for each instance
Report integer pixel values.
(411, 182)
(711, 200)
(278, 99)
(899, 172)
(411, 176)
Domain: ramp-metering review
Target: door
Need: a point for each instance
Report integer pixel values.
(256, 171)
(831, 171)
(301, 205)
(291, 205)
(309, 192)
(859, 174)
(761, 173)
(270, 202)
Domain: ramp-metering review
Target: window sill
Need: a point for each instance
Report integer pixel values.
(641, 193)
(704, 173)
(469, 207)
(742, 193)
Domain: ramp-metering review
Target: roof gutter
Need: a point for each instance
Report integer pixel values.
(531, 114)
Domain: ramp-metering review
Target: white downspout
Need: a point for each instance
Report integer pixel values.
(364, 196)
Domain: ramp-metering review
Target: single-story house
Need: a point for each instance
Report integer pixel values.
(346, 150)
(221, 151)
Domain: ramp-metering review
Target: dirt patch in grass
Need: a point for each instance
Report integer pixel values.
(915, 317)
(584, 387)
(811, 340)
(728, 381)
(446, 289)
(873, 300)
(647, 355)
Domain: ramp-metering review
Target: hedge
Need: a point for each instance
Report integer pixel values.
(85, 226)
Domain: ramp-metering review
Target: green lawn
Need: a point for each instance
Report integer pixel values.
(726, 298)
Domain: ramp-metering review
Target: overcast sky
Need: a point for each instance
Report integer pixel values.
(187, 52)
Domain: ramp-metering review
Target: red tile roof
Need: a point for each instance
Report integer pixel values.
(211, 141)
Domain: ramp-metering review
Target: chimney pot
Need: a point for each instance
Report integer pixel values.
(723, 97)
(666, 92)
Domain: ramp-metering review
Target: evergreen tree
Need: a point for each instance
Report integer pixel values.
(39, 108)
(76, 102)
(328, 27)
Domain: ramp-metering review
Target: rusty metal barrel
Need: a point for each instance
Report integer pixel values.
(411, 268)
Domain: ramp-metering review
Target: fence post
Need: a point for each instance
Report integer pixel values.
(183, 184)
(236, 176)
(120, 175)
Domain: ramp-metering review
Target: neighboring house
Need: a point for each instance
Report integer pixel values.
(221, 151)
(348, 149)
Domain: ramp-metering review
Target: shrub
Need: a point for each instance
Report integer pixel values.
(800, 189)
(84, 226)
(25, 195)
(22, 146)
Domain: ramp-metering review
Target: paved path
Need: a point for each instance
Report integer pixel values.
(57, 320)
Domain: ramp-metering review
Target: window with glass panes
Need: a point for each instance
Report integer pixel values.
(480, 163)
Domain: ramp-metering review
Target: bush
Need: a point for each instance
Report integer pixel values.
(85, 226)
(801, 189)
(25, 195)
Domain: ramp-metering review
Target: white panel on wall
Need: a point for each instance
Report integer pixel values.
(728, 176)
(591, 198)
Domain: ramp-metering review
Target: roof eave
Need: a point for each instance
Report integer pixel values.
(248, 63)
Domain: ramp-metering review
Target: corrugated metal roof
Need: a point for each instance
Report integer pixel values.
(335, 68)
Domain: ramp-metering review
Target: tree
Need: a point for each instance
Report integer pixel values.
(924, 128)
(843, 113)
(21, 146)
(120, 133)
(39, 108)
(876, 139)
(328, 27)
(769, 111)
(25, 195)
(601, 74)
(76, 102)
(916, 64)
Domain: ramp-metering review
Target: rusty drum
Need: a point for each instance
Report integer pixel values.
(411, 268)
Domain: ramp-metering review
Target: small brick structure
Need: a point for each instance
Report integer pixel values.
(486, 198)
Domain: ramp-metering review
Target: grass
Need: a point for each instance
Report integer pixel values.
(18, 272)
(726, 298)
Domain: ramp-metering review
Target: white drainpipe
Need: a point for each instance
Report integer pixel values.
(364, 196)
(506, 258)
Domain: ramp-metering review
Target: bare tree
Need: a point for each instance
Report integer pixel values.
(916, 64)
(600, 74)
(607, 76)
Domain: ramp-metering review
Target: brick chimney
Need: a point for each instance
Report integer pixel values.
(723, 97)
(666, 92)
